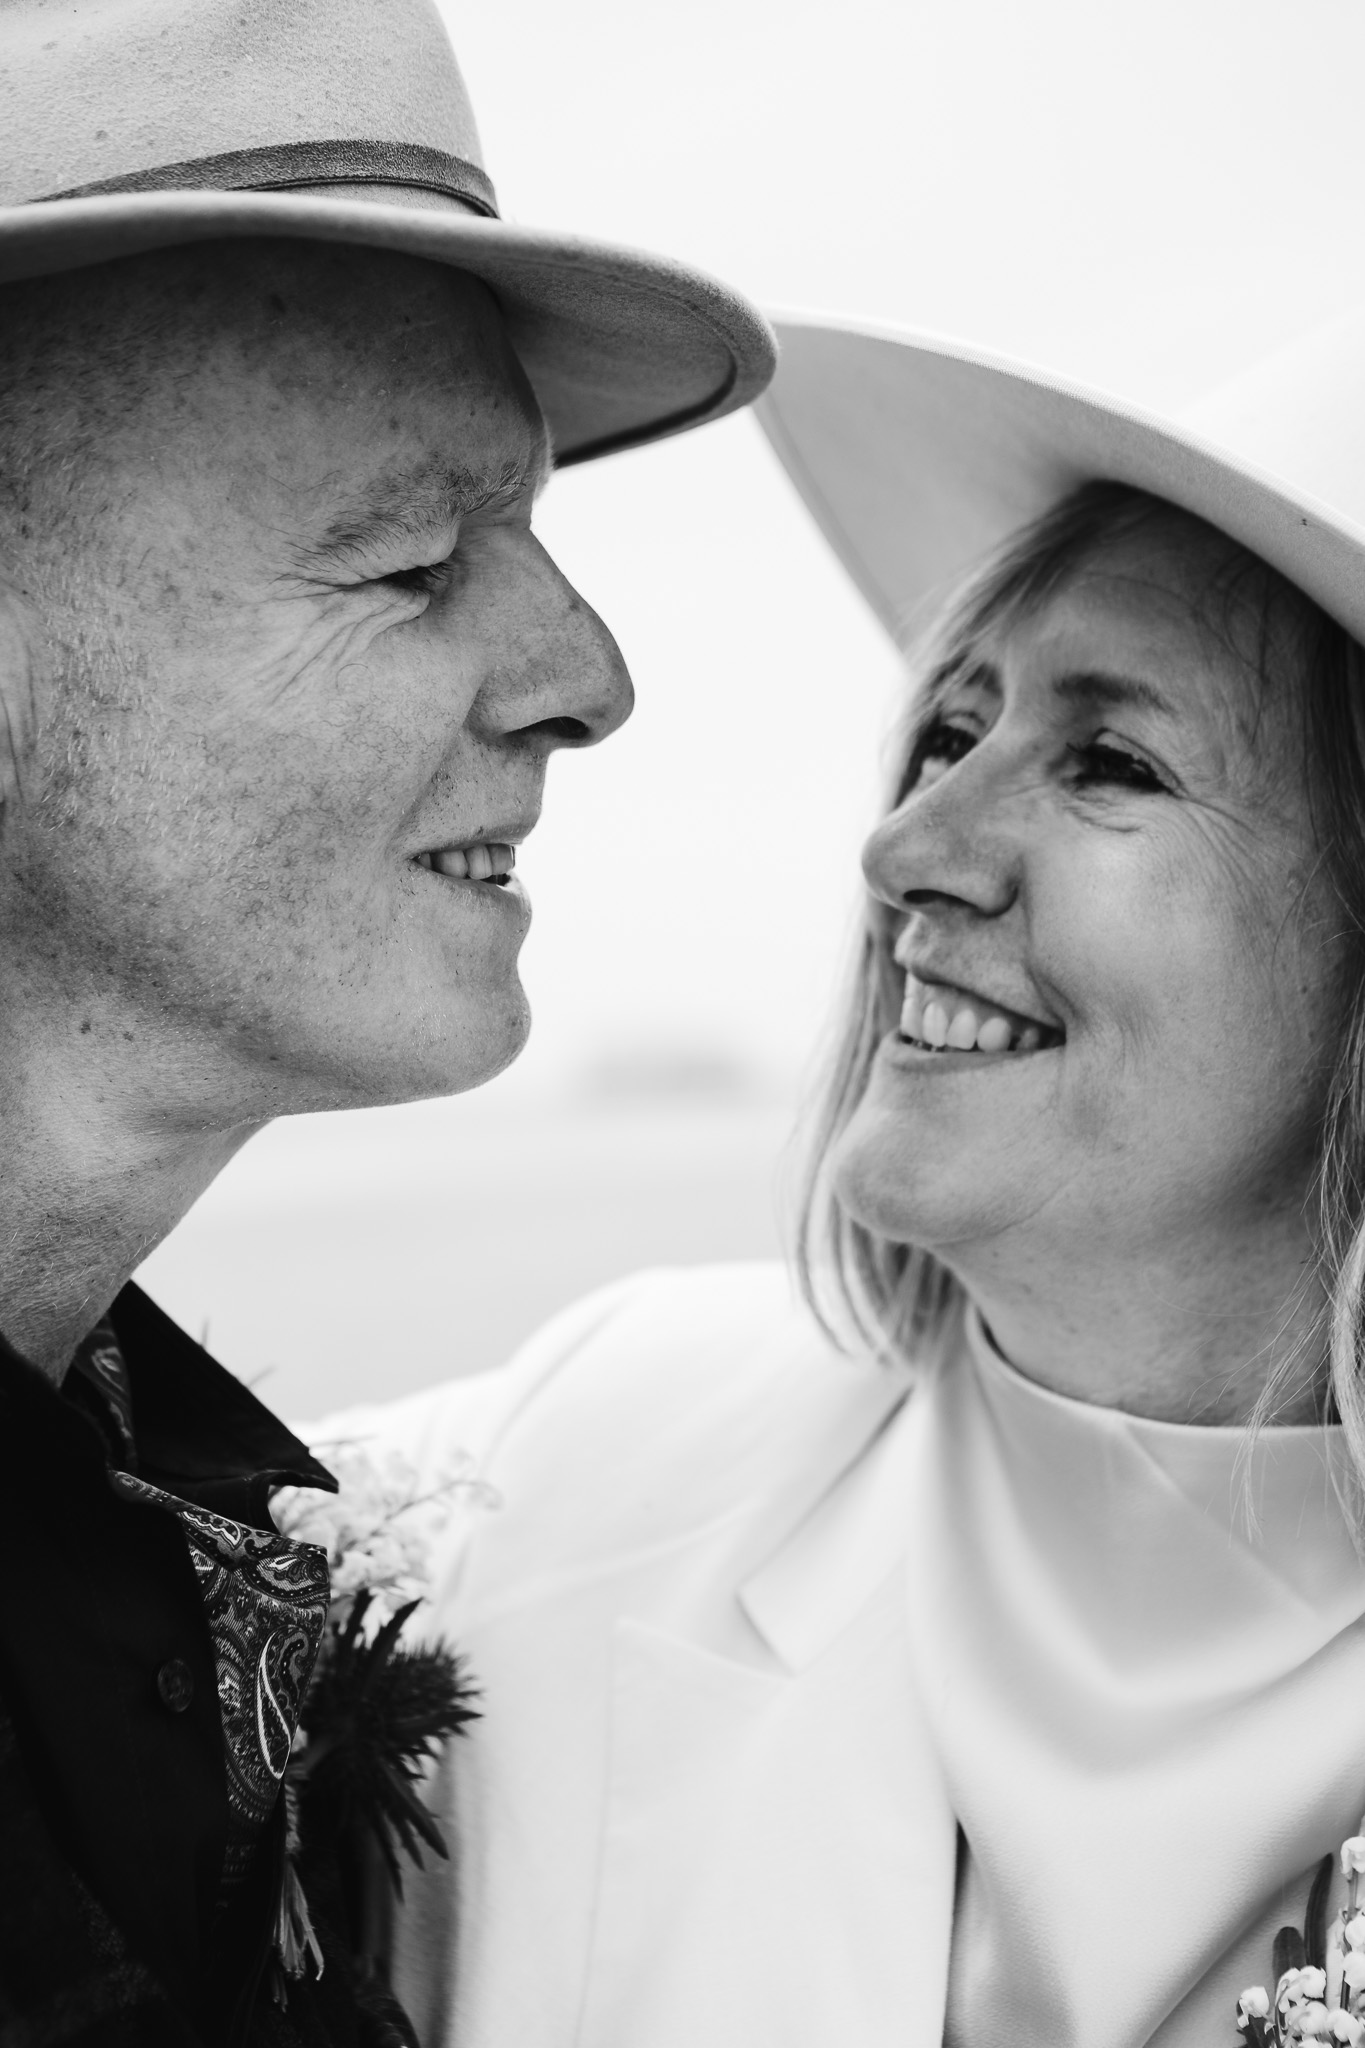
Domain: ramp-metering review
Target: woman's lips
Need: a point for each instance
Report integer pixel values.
(940, 1018)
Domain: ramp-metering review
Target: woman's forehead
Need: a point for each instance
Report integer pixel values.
(1154, 622)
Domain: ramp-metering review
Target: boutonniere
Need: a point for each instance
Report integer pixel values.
(1319, 1974)
(382, 1702)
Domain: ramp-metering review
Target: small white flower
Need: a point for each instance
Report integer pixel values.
(381, 1528)
(1353, 1970)
(1354, 1931)
(1296, 1987)
(1313, 2022)
(1254, 2004)
(1348, 2029)
(1353, 1855)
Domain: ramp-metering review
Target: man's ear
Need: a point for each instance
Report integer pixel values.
(20, 642)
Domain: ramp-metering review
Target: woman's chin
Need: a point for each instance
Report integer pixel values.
(901, 1184)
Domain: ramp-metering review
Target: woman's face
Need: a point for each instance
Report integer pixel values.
(1118, 956)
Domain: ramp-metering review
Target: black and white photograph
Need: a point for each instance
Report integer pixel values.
(771, 1453)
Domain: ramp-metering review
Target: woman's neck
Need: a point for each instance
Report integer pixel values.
(1193, 1338)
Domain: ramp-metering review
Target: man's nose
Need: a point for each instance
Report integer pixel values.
(557, 676)
(958, 841)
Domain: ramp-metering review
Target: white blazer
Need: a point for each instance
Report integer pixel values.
(699, 1810)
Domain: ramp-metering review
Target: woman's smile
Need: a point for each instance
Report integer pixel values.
(1098, 875)
(941, 1016)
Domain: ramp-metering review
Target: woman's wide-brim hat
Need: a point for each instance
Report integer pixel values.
(133, 125)
(918, 457)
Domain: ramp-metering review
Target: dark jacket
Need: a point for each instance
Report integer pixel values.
(113, 1805)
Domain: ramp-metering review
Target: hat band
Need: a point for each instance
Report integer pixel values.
(277, 166)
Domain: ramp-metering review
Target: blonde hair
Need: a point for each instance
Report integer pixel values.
(897, 1296)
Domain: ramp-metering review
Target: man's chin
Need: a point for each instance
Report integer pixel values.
(475, 1049)
(406, 1058)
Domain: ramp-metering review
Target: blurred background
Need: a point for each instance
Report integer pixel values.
(1145, 198)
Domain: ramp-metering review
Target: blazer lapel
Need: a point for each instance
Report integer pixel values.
(779, 1851)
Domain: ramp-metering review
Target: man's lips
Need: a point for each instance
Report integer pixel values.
(478, 860)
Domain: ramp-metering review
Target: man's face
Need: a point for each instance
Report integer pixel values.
(296, 645)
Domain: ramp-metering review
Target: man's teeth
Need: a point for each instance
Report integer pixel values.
(942, 1018)
(480, 863)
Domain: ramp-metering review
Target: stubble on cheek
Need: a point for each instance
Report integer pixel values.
(186, 842)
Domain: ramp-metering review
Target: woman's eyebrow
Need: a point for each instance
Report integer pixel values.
(1100, 687)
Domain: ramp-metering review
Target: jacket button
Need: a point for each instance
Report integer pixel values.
(175, 1683)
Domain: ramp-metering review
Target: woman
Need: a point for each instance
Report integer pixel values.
(1001, 1676)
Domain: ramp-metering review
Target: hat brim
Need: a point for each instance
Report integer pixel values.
(621, 347)
(917, 458)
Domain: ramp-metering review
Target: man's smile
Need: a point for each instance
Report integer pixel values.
(477, 860)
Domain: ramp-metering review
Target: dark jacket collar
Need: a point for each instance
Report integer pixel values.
(194, 1420)
(200, 1433)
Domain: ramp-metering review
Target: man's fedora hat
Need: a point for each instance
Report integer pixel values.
(129, 125)
(917, 457)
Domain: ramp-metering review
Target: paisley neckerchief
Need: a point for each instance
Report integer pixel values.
(266, 1602)
(265, 1598)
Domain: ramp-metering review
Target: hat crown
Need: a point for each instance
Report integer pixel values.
(93, 91)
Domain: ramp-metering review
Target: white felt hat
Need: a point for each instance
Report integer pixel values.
(128, 125)
(917, 457)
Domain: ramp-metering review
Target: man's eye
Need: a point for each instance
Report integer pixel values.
(1100, 761)
(427, 577)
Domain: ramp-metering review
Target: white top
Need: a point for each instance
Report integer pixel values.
(758, 1630)
(1149, 1718)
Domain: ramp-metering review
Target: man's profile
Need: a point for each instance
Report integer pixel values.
(281, 668)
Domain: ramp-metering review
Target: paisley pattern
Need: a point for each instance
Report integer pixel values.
(265, 1598)
(100, 1363)
(266, 1601)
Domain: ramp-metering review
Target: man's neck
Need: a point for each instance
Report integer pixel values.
(85, 1195)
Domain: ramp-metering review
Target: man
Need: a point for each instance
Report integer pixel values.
(281, 668)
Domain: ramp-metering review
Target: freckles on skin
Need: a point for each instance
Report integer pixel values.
(245, 746)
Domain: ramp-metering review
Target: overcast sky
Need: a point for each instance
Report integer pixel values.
(1143, 196)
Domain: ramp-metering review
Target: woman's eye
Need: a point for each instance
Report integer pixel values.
(940, 747)
(1100, 761)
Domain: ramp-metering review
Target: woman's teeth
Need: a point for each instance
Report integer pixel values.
(943, 1019)
(491, 862)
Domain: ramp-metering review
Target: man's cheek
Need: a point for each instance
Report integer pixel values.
(286, 665)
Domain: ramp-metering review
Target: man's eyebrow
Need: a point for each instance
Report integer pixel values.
(1099, 687)
(413, 510)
